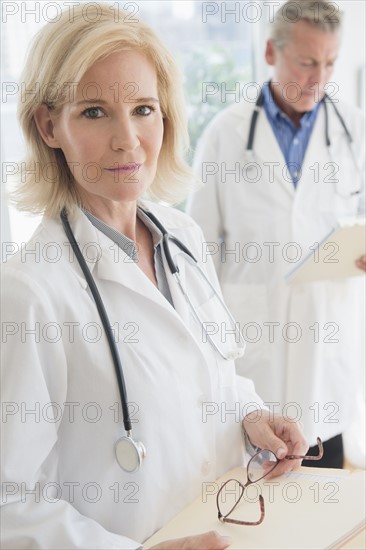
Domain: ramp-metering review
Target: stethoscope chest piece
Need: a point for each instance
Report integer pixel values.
(129, 454)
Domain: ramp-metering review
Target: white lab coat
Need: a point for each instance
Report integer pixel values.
(310, 369)
(179, 390)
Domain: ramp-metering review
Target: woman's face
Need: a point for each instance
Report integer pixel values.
(111, 132)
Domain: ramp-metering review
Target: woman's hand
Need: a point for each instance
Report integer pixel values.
(206, 541)
(283, 436)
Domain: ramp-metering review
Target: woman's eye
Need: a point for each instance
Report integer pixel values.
(144, 110)
(92, 112)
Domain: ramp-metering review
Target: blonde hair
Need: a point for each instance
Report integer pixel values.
(59, 56)
(320, 14)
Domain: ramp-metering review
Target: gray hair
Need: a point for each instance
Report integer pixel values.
(320, 14)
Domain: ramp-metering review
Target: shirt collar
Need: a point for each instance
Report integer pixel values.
(276, 113)
(126, 244)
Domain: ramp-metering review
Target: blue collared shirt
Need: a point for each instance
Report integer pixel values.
(293, 141)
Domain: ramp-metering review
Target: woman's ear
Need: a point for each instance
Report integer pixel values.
(45, 124)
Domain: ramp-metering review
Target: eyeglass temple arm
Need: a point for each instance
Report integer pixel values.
(307, 457)
(225, 519)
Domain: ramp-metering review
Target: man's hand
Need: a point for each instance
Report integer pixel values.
(207, 541)
(361, 262)
(280, 435)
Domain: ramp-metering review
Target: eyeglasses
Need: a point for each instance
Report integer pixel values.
(259, 466)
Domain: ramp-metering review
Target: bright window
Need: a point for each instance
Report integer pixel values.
(219, 46)
(211, 41)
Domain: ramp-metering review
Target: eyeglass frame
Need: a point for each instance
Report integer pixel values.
(226, 519)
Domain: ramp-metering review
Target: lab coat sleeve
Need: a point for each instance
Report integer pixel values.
(355, 120)
(362, 164)
(204, 204)
(34, 374)
(248, 396)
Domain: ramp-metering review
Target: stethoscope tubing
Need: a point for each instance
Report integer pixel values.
(100, 305)
(104, 318)
(327, 99)
(166, 237)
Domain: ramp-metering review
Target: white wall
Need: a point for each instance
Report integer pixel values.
(351, 60)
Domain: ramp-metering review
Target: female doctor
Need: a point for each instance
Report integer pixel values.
(105, 130)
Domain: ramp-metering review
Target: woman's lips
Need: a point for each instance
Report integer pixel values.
(129, 168)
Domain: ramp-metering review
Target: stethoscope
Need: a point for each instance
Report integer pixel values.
(253, 125)
(130, 453)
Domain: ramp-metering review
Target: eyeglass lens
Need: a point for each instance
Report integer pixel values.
(250, 503)
(260, 465)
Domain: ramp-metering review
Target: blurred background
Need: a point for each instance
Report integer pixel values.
(221, 43)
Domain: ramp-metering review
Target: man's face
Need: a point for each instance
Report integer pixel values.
(303, 67)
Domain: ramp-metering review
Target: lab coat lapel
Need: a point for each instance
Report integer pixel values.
(315, 153)
(180, 303)
(109, 262)
(87, 239)
(267, 150)
(127, 273)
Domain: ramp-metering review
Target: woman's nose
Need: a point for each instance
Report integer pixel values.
(124, 136)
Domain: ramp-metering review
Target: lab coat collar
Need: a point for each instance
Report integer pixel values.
(108, 261)
(265, 146)
(172, 223)
(86, 236)
(316, 152)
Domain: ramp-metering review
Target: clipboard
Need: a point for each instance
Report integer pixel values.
(335, 255)
(313, 508)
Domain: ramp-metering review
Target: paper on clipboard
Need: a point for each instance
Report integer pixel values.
(315, 510)
(335, 256)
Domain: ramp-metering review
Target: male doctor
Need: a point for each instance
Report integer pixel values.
(267, 200)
